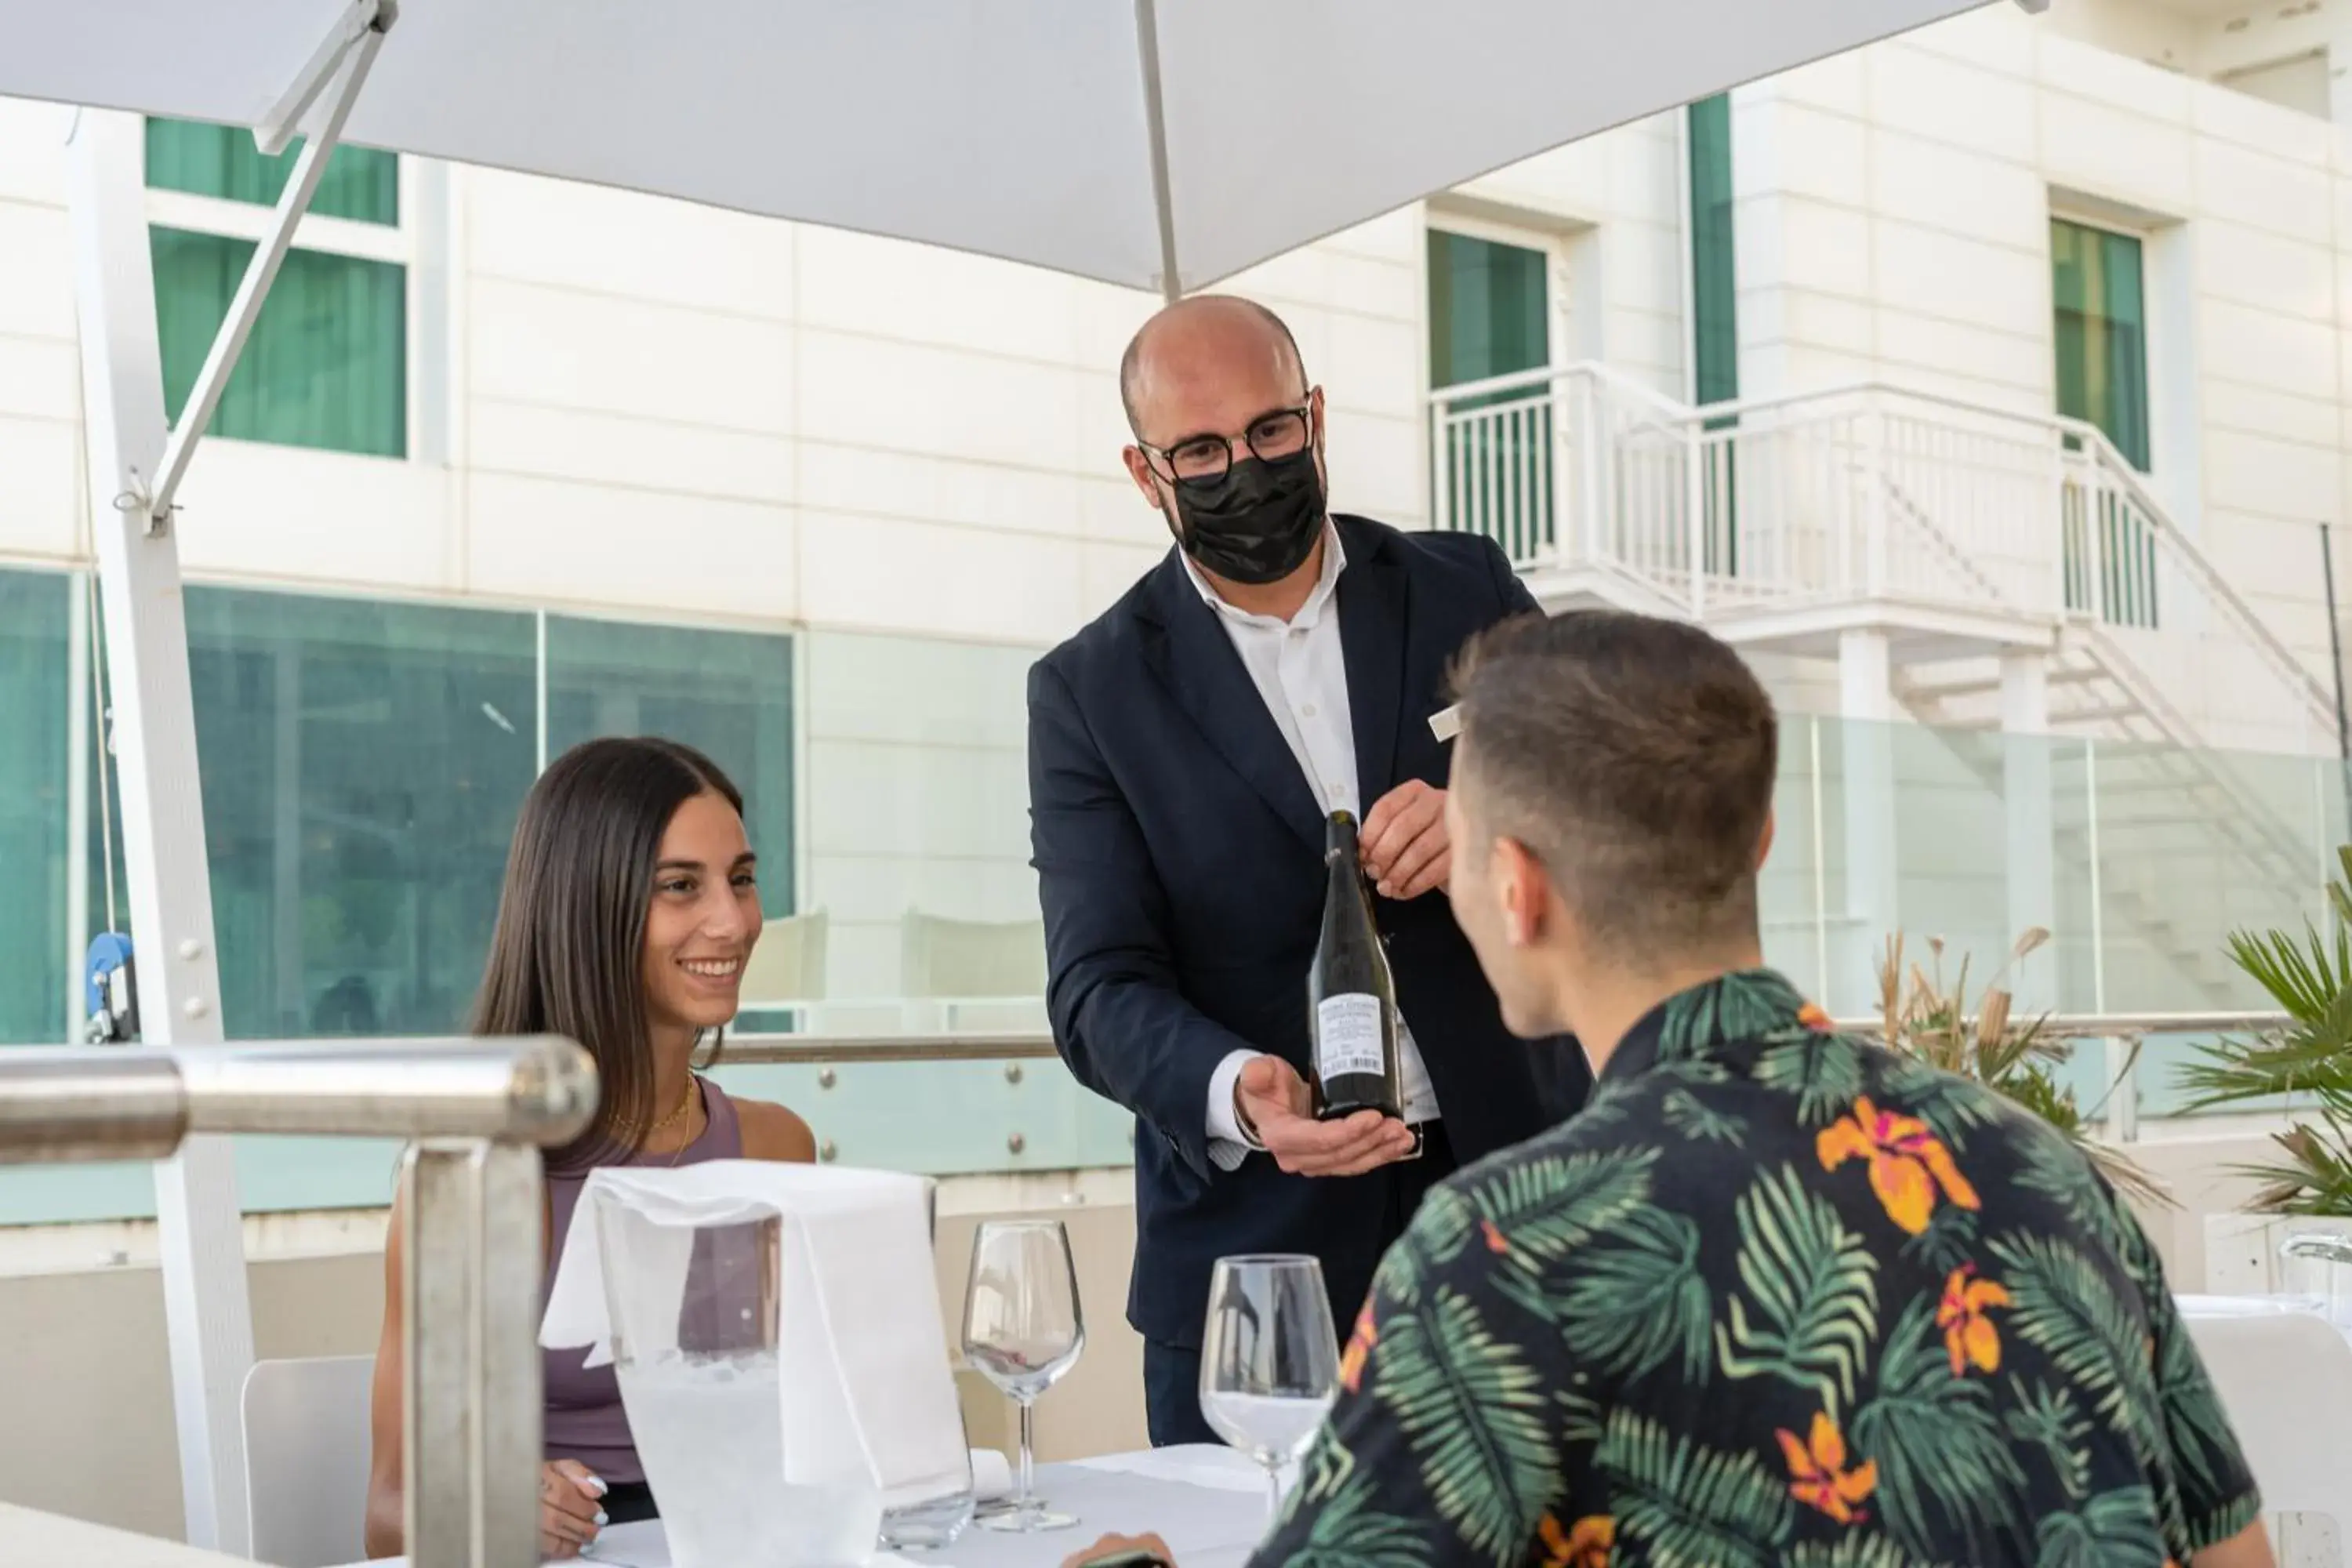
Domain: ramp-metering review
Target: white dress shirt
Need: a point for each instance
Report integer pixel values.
(1301, 673)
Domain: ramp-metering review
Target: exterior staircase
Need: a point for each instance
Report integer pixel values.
(1964, 534)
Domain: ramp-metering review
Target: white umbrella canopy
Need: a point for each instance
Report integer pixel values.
(1021, 129)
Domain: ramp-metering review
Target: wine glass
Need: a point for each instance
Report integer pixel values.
(1023, 1330)
(1269, 1363)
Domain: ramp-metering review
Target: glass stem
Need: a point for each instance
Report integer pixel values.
(1272, 1493)
(1028, 1419)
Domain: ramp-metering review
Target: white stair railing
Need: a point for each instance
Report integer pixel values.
(1861, 492)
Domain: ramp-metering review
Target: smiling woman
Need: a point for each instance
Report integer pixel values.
(631, 906)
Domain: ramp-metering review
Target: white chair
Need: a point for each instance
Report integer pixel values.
(306, 1459)
(787, 968)
(956, 964)
(2285, 1379)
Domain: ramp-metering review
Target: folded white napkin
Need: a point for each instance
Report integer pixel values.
(868, 1401)
(991, 1475)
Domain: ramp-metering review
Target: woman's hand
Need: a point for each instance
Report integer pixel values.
(569, 1511)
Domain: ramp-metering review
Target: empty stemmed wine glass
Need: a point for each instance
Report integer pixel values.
(1023, 1330)
(1269, 1361)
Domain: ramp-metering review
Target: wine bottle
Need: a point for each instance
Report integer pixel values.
(1351, 994)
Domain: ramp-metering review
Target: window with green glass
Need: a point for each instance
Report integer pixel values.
(2099, 330)
(363, 766)
(1489, 308)
(727, 694)
(327, 363)
(359, 182)
(1490, 315)
(36, 691)
(1714, 317)
(1714, 277)
(2100, 327)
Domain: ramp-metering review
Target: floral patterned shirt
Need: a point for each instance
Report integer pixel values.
(1776, 1296)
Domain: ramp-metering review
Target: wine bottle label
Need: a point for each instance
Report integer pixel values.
(1348, 1036)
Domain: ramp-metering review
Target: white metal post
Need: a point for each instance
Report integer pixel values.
(2030, 813)
(155, 736)
(1694, 456)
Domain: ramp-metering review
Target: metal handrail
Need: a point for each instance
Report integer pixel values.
(479, 1112)
(843, 1050)
(846, 1050)
(75, 1103)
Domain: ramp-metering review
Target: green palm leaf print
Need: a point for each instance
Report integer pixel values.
(2052, 1420)
(1745, 1006)
(1687, 1505)
(1824, 1071)
(1691, 1117)
(2114, 1526)
(2214, 1528)
(2193, 1418)
(1440, 1229)
(1853, 1550)
(2057, 1171)
(1636, 1299)
(1551, 1205)
(2063, 1306)
(1329, 1465)
(1474, 1414)
(1349, 1532)
(1944, 1464)
(1949, 1104)
(1952, 1238)
(1814, 1287)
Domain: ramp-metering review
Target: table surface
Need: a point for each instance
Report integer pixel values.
(1208, 1503)
(29, 1536)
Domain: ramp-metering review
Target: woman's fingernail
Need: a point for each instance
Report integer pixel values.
(597, 1483)
(600, 1520)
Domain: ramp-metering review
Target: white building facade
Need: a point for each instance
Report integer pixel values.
(1994, 378)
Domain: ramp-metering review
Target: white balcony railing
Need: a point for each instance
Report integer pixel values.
(1868, 492)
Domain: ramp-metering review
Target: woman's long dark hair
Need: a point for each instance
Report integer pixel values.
(568, 955)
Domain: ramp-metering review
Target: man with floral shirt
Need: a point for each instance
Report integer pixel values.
(1777, 1295)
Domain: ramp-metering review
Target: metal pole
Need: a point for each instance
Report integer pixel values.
(163, 813)
(474, 1205)
(74, 1103)
(2336, 669)
(473, 1397)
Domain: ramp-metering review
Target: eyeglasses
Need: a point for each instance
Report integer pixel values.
(1281, 434)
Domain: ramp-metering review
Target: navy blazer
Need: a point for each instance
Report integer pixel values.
(1179, 850)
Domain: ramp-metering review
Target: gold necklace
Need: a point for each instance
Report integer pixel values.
(685, 1104)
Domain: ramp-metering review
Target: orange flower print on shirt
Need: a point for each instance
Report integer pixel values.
(1907, 1163)
(1496, 1242)
(1359, 1350)
(1812, 1017)
(1818, 1476)
(1968, 1334)
(1586, 1545)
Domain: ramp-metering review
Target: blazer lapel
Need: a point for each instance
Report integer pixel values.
(1197, 662)
(1372, 595)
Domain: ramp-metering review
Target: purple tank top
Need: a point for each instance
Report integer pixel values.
(585, 1419)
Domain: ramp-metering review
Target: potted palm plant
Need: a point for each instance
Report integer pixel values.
(2306, 1062)
(2015, 1056)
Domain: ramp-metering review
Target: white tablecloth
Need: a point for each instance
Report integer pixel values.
(1209, 1504)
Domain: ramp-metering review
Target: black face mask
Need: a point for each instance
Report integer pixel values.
(1259, 522)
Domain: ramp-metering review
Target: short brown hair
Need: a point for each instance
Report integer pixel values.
(1635, 758)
